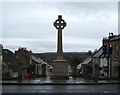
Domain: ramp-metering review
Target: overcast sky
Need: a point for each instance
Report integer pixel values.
(31, 25)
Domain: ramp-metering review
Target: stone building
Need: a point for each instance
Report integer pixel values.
(24, 58)
(1, 58)
(95, 65)
(109, 59)
(113, 53)
(111, 56)
(100, 64)
(85, 67)
(115, 57)
(106, 60)
(10, 64)
(32, 64)
(40, 66)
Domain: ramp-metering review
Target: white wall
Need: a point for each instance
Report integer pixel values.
(103, 62)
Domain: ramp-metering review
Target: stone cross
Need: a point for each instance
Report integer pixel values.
(59, 25)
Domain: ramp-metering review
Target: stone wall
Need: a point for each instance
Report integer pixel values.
(115, 58)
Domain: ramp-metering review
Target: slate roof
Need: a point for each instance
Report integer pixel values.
(115, 38)
(98, 53)
(86, 61)
(10, 60)
(38, 60)
(79, 66)
(26, 54)
(34, 58)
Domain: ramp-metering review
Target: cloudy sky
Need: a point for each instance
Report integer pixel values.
(31, 25)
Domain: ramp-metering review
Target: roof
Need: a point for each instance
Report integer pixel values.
(86, 61)
(10, 59)
(38, 60)
(98, 53)
(34, 58)
(115, 38)
(26, 54)
(79, 66)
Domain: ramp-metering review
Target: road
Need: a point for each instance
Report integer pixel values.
(101, 89)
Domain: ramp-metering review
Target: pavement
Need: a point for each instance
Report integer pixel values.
(73, 86)
(110, 89)
(71, 81)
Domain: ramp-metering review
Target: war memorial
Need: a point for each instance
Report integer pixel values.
(60, 65)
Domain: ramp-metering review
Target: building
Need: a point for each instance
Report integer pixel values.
(40, 66)
(23, 63)
(85, 67)
(106, 60)
(113, 53)
(115, 57)
(24, 58)
(10, 64)
(95, 65)
(32, 64)
(108, 57)
(100, 64)
(1, 58)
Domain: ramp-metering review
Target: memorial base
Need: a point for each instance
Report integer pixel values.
(60, 70)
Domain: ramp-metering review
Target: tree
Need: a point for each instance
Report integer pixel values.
(76, 61)
(74, 66)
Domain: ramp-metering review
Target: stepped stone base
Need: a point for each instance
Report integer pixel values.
(60, 69)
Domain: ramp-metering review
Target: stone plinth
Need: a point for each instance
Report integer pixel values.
(60, 69)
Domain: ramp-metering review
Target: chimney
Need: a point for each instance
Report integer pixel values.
(95, 50)
(111, 35)
(105, 41)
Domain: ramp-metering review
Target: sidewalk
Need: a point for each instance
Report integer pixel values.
(71, 81)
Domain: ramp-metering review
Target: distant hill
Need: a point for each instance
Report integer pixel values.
(69, 56)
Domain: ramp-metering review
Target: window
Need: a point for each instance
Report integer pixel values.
(116, 48)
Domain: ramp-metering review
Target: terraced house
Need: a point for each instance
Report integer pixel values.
(115, 56)
(32, 64)
(105, 61)
(10, 64)
(23, 63)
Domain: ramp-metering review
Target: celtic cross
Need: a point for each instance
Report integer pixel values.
(59, 25)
